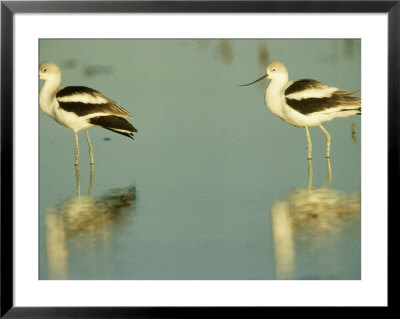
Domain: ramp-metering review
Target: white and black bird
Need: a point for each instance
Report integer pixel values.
(306, 103)
(80, 107)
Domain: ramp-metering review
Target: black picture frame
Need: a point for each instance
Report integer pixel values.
(9, 8)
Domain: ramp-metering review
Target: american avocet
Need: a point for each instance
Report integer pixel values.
(306, 103)
(80, 107)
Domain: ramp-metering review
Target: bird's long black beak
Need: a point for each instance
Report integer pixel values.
(263, 77)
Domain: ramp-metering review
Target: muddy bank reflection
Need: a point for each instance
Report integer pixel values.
(82, 221)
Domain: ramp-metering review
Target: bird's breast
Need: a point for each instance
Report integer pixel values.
(276, 102)
(47, 105)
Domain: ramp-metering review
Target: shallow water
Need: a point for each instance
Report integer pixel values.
(214, 186)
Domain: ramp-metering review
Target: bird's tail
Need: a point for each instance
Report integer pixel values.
(114, 123)
(349, 102)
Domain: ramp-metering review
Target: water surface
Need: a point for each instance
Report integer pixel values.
(214, 186)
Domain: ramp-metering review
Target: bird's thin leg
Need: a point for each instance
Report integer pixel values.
(90, 147)
(329, 169)
(91, 180)
(328, 140)
(76, 148)
(310, 174)
(78, 181)
(309, 145)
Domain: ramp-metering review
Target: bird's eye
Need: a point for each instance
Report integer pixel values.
(273, 70)
(44, 70)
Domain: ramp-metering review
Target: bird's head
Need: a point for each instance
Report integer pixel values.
(49, 70)
(275, 70)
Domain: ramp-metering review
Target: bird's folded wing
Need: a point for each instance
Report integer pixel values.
(310, 96)
(85, 101)
(306, 88)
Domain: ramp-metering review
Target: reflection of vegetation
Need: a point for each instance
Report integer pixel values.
(70, 63)
(225, 50)
(353, 132)
(86, 219)
(348, 49)
(310, 216)
(263, 54)
(343, 48)
(91, 70)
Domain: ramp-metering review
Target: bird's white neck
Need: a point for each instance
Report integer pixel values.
(48, 93)
(280, 80)
(273, 95)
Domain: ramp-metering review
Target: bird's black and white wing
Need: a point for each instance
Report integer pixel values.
(310, 96)
(87, 102)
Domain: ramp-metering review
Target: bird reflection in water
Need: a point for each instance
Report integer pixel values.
(84, 221)
(310, 215)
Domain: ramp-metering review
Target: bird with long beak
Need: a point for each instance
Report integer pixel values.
(306, 103)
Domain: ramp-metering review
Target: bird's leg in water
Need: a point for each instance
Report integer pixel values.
(328, 140)
(76, 148)
(90, 147)
(309, 145)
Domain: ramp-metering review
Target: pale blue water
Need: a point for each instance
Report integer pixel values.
(209, 188)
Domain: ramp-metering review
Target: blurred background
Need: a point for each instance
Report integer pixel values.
(214, 186)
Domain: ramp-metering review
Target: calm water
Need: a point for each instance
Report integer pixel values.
(214, 186)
